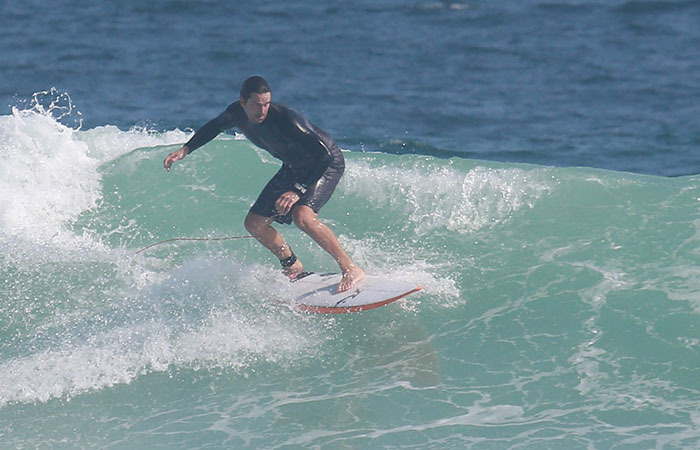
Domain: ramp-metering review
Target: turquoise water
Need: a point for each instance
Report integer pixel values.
(559, 310)
(532, 164)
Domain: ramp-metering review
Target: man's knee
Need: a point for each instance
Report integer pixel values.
(304, 217)
(255, 224)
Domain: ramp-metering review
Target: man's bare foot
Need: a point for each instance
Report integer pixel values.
(351, 278)
(294, 270)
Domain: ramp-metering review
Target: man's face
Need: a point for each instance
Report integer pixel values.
(256, 107)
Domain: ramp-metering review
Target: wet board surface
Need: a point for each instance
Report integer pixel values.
(316, 293)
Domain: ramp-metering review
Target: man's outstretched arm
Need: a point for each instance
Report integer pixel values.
(205, 134)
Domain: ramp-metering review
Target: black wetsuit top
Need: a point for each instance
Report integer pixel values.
(306, 149)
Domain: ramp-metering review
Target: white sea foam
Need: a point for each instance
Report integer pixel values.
(195, 319)
(123, 354)
(50, 174)
(438, 196)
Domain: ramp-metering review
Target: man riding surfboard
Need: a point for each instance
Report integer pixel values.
(312, 165)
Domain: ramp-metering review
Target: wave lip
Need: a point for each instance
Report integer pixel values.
(433, 197)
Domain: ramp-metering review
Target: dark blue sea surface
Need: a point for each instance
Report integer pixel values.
(607, 84)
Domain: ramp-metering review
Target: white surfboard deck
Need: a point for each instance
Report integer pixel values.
(317, 293)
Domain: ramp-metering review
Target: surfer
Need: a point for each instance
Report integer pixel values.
(312, 165)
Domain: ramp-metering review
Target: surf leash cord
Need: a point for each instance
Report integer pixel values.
(228, 238)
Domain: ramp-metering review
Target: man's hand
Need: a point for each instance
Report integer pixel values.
(286, 201)
(177, 155)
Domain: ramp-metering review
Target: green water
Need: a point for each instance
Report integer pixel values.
(559, 311)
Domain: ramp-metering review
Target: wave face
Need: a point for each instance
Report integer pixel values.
(559, 310)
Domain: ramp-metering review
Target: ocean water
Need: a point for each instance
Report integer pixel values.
(533, 165)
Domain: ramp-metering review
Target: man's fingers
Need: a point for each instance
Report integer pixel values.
(285, 202)
(283, 207)
(171, 158)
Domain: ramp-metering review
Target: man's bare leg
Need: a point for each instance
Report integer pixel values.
(260, 227)
(307, 220)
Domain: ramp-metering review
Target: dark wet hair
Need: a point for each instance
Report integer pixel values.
(254, 85)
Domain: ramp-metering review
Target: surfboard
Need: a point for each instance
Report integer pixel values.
(316, 292)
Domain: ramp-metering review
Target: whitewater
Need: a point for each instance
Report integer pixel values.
(559, 310)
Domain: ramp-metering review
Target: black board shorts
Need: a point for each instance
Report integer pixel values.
(315, 197)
